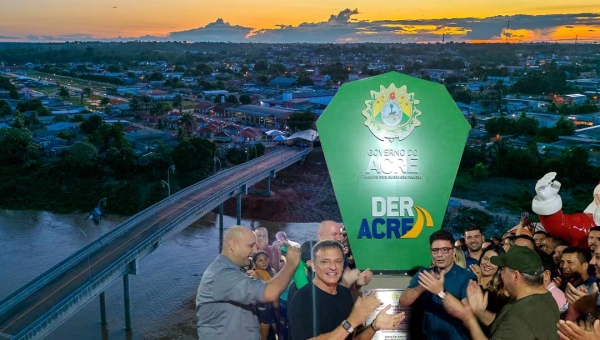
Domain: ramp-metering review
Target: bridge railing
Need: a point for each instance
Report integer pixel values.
(121, 266)
(83, 253)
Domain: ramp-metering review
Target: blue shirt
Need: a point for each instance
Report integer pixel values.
(225, 302)
(437, 323)
(470, 260)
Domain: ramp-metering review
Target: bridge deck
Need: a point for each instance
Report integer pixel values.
(32, 303)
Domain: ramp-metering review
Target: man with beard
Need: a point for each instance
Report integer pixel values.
(474, 238)
(324, 309)
(594, 239)
(225, 304)
(574, 268)
(430, 287)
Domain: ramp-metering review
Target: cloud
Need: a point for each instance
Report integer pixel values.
(346, 27)
(213, 32)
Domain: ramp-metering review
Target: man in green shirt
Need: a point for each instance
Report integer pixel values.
(532, 312)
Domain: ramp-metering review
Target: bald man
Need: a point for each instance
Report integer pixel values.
(225, 304)
(329, 230)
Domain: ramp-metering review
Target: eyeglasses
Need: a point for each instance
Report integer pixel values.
(444, 250)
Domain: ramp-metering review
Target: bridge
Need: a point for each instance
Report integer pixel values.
(40, 306)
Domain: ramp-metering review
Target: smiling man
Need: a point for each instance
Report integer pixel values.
(325, 309)
(474, 239)
(430, 287)
(225, 304)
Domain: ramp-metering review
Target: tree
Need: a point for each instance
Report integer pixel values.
(121, 161)
(91, 124)
(564, 127)
(135, 105)
(104, 101)
(480, 172)
(261, 66)
(81, 157)
(64, 93)
(188, 123)
(245, 99)
(178, 102)
(29, 105)
(193, 157)
(473, 121)
(231, 99)
(526, 126)
(156, 76)
(4, 108)
(300, 121)
(87, 92)
(462, 96)
(17, 147)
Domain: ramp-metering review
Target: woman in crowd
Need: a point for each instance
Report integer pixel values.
(268, 313)
(488, 276)
(459, 257)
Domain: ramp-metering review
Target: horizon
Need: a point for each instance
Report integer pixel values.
(301, 22)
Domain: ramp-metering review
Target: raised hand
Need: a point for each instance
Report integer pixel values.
(364, 278)
(477, 299)
(431, 281)
(547, 188)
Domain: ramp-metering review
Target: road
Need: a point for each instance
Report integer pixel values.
(41, 301)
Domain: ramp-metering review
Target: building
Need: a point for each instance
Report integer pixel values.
(270, 118)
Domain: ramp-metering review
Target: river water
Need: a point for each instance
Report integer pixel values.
(162, 294)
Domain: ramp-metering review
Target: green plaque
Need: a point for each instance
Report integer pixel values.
(392, 144)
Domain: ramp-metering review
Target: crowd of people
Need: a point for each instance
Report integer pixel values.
(526, 285)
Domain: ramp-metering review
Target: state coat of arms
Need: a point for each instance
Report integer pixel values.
(391, 113)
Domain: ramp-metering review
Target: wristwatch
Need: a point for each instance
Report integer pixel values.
(441, 294)
(347, 326)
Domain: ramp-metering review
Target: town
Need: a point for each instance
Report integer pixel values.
(120, 110)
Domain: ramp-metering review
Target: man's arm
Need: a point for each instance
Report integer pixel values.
(409, 296)
(277, 284)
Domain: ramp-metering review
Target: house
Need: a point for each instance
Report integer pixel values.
(204, 106)
(283, 81)
(208, 131)
(232, 129)
(222, 137)
(59, 127)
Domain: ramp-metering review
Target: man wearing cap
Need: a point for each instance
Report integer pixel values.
(532, 313)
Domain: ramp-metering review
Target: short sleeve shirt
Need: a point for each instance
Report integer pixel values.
(437, 323)
(225, 303)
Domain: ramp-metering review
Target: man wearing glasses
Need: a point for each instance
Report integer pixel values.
(429, 287)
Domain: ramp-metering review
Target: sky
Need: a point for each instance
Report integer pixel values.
(315, 21)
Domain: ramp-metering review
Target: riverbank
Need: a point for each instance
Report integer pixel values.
(300, 193)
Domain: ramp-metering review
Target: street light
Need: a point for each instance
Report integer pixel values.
(215, 159)
(168, 182)
(168, 186)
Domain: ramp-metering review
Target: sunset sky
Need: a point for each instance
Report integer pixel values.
(300, 21)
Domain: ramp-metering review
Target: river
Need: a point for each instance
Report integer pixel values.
(162, 294)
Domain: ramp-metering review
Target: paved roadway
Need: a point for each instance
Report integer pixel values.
(41, 301)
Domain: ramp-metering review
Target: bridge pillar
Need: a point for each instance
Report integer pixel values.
(127, 302)
(268, 193)
(103, 309)
(221, 227)
(238, 209)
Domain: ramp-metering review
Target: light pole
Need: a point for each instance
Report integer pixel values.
(168, 182)
(215, 159)
(255, 151)
(168, 187)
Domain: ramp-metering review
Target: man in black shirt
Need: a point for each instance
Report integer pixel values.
(325, 309)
